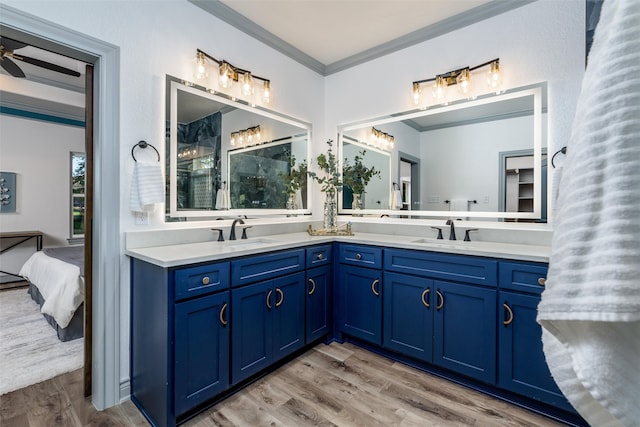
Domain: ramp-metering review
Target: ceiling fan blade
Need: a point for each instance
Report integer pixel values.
(11, 67)
(11, 45)
(48, 66)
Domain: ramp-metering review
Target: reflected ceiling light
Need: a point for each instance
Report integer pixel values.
(380, 139)
(460, 77)
(228, 74)
(246, 137)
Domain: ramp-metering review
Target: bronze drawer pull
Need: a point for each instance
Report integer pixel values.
(375, 291)
(269, 299)
(508, 310)
(313, 287)
(358, 256)
(222, 311)
(320, 256)
(542, 281)
(425, 293)
(440, 303)
(279, 292)
(205, 280)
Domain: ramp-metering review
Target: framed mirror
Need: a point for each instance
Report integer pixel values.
(375, 194)
(228, 158)
(480, 159)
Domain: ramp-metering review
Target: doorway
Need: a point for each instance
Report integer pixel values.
(105, 387)
(409, 178)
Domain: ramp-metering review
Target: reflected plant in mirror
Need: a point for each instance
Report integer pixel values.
(295, 180)
(356, 177)
(330, 182)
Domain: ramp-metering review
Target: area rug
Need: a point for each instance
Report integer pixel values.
(30, 351)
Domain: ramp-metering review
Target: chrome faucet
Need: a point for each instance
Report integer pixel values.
(452, 232)
(232, 235)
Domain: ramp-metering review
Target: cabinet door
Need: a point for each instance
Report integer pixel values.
(465, 331)
(288, 314)
(522, 365)
(318, 297)
(201, 350)
(251, 329)
(408, 315)
(360, 301)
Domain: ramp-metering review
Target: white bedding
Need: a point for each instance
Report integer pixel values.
(60, 284)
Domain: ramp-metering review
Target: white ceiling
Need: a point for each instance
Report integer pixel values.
(329, 36)
(332, 30)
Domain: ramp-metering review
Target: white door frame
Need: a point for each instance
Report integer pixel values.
(106, 219)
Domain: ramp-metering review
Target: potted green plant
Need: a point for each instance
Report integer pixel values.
(357, 176)
(294, 181)
(331, 182)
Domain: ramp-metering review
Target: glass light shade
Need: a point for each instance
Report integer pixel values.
(494, 77)
(201, 71)
(234, 139)
(247, 84)
(440, 88)
(416, 92)
(266, 92)
(258, 134)
(226, 76)
(464, 82)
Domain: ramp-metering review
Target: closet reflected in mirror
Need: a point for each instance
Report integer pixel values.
(228, 158)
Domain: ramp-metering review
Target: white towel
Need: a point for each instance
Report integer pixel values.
(223, 201)
(591, 305)
(147, 186)
(396, 199)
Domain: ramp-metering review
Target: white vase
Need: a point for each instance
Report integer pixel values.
(357, 204)
(292, 203)
(330, 212)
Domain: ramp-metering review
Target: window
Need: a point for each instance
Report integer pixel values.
(77, 195)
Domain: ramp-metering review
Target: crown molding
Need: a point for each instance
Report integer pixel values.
(477, 14)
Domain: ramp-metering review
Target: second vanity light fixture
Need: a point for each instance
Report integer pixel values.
(460, 77)
(380, 139)
(229, 74)
(246, 138)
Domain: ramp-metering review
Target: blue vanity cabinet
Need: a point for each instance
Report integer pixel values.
(408, 315)
(179, 337)
(359, 292)
(318, 292)
(522, 365)
(201, 350)
(449, 303)
(464, 329)
(268, 317)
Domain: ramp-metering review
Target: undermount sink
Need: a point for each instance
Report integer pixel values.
(244, 242)
(451, 244)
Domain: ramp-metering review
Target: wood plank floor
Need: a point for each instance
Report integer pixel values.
(334, 385)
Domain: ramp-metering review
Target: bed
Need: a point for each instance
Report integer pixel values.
(56, 283)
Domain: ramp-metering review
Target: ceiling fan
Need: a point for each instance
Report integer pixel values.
(7, 57)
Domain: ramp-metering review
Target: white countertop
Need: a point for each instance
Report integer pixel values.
(191, 253)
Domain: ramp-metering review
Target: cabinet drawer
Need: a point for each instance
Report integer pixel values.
(318, 255)
(194, 281)
(262, 267)
(364, 256)
(458, 268)
(521, 276)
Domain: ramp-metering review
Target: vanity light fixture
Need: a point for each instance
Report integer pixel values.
(380, 139)
(228, 74)
(460, 77)
(246, 138)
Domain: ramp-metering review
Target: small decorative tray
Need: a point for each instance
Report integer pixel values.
(336, 231)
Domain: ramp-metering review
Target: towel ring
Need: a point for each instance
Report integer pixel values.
(563, 150)
(143, 144)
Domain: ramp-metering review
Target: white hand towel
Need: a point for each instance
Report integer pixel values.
(591, 304)
(396, 198)
(147, 186)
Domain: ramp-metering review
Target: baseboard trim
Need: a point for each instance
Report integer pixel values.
(125, 390)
